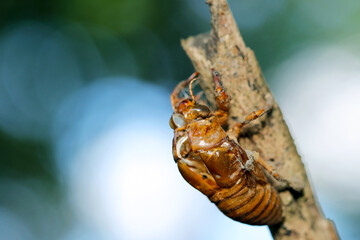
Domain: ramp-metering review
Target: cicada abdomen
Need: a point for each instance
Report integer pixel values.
(255, 205)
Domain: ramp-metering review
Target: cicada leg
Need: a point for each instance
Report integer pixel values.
(279, 183)
(174, 96)
(221, 98)
(270, 170)
(202, 181)
(223, 103)
(234, 131)
(191, 166)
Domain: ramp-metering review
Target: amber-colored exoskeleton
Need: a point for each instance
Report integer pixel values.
(211, 160)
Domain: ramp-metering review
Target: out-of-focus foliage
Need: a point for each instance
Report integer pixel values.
(84, 105)
(152, 29)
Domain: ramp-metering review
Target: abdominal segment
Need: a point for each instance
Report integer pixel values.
(257, 205)
(219, 172)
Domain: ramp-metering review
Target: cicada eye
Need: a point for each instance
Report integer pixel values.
(177, 120)
(204, 111)
(197, 111)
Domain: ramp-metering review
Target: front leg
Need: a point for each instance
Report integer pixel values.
(221, 98)
(191, 166)
(190, 169)
(194, 171)
(223, 104)
(174, 96)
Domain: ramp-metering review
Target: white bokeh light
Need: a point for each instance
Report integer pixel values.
(318, 92)
(131, 183)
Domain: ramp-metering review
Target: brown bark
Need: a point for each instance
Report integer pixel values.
(224, 49)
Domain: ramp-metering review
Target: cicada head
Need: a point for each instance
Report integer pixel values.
(187, 110)
(187, 114)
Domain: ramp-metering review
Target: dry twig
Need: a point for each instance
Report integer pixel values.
(224, 49)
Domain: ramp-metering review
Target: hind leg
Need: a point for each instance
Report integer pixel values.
(276, 180)
(270, 170)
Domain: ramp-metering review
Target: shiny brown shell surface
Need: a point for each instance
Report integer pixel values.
(218, 166)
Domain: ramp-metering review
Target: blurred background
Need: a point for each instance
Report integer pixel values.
(85, 145)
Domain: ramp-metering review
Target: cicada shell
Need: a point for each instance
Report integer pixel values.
(215, 164)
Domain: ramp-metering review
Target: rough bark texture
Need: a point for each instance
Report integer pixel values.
(224, 49)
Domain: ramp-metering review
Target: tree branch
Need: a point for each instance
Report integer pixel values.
(224, 49)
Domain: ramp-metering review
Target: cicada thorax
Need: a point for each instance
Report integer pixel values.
(214, 165)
